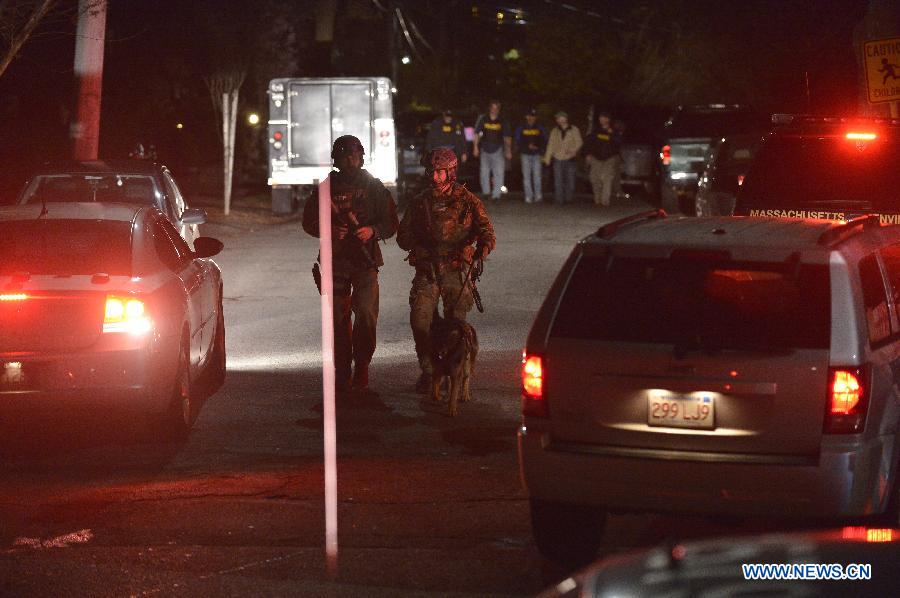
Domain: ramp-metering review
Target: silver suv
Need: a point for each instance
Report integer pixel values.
(716, 366)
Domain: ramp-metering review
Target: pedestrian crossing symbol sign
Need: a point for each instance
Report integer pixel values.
(882, 60)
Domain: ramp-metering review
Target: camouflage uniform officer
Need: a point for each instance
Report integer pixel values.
(439, 229)
(362, 213)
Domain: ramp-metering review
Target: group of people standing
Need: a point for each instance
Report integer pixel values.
(561, 147)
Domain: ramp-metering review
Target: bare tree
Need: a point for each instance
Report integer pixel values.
(19, 19)
(224, 86)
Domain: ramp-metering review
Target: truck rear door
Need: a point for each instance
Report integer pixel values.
(321, 112)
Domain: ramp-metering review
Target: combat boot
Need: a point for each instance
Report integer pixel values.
(361, 376)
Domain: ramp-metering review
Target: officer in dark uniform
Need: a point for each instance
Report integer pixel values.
(446, 131)
(601, 152)
(438, 230)
(363, 213)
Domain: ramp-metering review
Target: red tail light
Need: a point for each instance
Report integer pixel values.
(848, 394)
(125, 314)
(665, 154)
(13, 297)
(533, 400)
(861, 136)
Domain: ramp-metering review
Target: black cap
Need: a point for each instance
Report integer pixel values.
(532, 112)
(447, 112)
(605, 113)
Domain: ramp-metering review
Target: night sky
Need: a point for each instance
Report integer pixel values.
(602, 53)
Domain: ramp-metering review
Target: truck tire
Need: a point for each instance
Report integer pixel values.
(283, 200)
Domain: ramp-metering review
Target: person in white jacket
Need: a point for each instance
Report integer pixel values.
(562, 149)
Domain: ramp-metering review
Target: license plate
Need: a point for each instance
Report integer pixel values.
(673, 410)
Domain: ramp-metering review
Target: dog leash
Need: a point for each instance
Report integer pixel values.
(476, 266)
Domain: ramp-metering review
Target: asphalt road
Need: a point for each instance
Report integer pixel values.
(429, 505)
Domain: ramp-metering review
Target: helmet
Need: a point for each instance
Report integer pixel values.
(440, 158)
(345, 145)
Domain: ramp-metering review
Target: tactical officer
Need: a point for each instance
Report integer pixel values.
(438, 230)
(362, 212)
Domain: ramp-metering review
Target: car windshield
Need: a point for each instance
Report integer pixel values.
(697, 303)
(65, 247)
(122, 188)
(804, 171)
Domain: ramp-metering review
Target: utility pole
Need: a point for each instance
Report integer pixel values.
(392, 44)
(89, 42)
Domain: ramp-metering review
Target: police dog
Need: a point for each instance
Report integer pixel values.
(454, 346)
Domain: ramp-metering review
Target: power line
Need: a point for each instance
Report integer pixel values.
(605, 17)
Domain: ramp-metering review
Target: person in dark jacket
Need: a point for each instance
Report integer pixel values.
(601, 152)
(493, 146)
(363, 213)
(531, 140)
(446, 131)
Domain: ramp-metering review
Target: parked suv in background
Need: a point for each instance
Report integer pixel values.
(714, 366)
(821, 167)
(727, 166)
(687, 138)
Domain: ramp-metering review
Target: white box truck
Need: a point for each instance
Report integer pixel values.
(306, 115)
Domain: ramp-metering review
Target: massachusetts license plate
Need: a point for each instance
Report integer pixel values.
(673, 410)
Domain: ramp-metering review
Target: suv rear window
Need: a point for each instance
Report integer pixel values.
(831, 171)
(65, 247)
(707, 304)
(717, 123)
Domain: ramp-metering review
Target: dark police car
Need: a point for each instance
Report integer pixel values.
(825, 167)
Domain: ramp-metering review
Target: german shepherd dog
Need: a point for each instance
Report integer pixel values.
(454, 346)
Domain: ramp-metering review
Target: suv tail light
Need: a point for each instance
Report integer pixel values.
(665, 154)
(533, 400)
(848, 399)
(125, 314)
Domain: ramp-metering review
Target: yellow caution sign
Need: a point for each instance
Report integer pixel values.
(882, 59)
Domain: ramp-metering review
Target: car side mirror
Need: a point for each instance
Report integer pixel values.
(193, 216)
(207, 247)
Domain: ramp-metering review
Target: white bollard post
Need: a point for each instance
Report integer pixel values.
(330, 425)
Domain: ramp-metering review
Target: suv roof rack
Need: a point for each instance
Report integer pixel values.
(851, 227)
(608, 230)
(796, 119)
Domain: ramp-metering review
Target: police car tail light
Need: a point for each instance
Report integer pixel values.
(665, 154)
(856, 136)
(533, 400)
(125, 314)
(848, 389)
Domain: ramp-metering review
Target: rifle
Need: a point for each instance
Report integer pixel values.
(350, 220)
